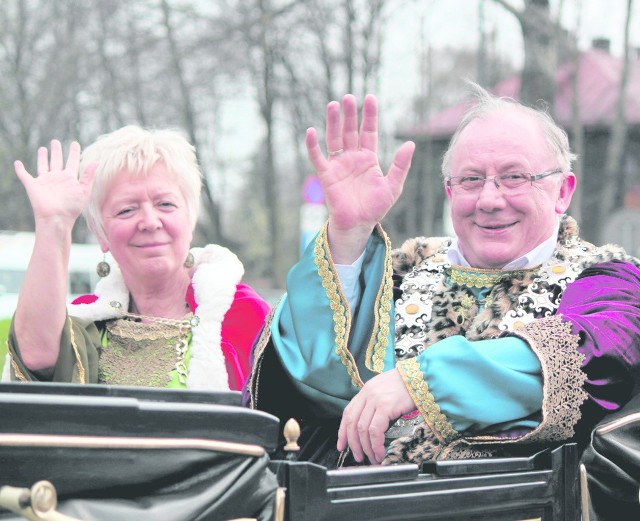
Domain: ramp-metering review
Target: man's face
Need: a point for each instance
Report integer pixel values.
(494, 228)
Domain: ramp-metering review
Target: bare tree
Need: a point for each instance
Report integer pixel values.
(614, 175)
(347, 39)
(213, 232)
(539, 35)
(37, 88)
(577, 125)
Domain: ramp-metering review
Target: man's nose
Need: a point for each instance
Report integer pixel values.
(490, 196)
(495, 181)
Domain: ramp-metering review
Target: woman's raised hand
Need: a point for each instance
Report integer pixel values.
(358, 194)
(57, 193)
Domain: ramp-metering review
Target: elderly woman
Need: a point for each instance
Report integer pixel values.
(164, 314)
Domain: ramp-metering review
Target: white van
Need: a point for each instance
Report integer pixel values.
(15, 252)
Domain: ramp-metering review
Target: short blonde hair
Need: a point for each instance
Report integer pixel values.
(136, 150)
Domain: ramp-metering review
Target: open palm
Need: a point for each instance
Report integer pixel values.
(357, 192)
(57, 192)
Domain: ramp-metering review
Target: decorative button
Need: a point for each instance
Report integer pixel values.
(115, 304)
(558, 269)
(412, 309)
(195, 320)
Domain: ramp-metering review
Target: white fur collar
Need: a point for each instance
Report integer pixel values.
(217, 273)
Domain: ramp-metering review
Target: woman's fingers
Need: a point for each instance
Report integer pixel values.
(73, 161)
(87, 177)
(53, 160)
(56, 162)
(21, 172)
(43, 161)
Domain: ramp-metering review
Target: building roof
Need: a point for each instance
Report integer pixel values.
(599, 77)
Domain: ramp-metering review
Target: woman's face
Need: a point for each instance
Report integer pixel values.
(146, 224)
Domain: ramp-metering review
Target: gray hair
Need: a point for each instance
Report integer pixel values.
(136, 150)
(487, 104)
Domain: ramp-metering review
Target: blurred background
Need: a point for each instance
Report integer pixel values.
(243, 79)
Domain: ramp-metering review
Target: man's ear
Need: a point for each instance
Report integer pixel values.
(447, 190)
(567, 188)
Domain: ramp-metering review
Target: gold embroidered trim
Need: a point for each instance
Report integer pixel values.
(19, 375)
(424, 400)
(557, 348)
(78, 367)
(484, 278)
(258, 351)
(341, 312)
(382, 308)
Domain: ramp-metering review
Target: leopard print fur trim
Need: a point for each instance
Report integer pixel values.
(421, 446)
(413, 252)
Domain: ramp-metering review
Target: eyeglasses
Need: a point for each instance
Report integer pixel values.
(509, 182)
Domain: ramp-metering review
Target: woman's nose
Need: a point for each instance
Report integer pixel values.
(149, 219)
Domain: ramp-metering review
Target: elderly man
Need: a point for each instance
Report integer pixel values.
(511, 335)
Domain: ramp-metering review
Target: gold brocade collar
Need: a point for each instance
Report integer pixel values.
(485, 278)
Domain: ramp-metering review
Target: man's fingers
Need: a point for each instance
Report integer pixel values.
(369, 125)
(350, 122)
(364, 431)
(333, 136)
(316, 157)
(378, 426)
(348, 430)
(400, 166)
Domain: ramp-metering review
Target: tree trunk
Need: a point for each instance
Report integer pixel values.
(540, 52)
(214, 232)
(613, 180)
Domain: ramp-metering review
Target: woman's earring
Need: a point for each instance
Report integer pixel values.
(188, 263)
(103, 269)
